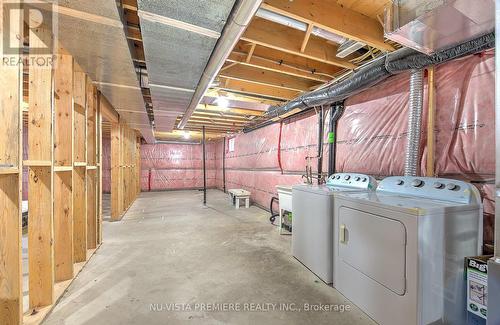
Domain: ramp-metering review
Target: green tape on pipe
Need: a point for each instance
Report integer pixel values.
(331, 137)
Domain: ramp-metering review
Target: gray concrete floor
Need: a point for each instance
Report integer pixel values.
(171, 252)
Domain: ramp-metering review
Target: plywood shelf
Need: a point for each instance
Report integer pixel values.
(37, 163)
(91, 167)
(79, 164)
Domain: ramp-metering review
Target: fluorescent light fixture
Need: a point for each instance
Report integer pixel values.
(223, 103)
(186, 135)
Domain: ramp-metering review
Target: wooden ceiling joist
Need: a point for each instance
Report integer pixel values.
(240, 86)
(334, 18)
(267, 78)
(230, 110)
(275, 66)
(286, 39)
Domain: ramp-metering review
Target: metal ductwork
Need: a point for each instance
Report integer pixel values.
(414, 122)
(431, 25)
(376, 71)
(243, 11)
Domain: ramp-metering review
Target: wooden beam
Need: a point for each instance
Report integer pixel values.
(107, 110)
(230, 110)
(63, 157)
(227, 117)
(11, 98)
(292, 60)
(306, 38)
(286, 39)
(268, 78)
(249, 88)
(334, 18)
(278, 66)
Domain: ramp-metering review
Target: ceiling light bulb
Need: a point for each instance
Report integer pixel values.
(186, 135)
(223, 103)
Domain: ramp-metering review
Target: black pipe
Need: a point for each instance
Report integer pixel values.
(321, 125)
(336, 111)
(204, 170)
(224, 166)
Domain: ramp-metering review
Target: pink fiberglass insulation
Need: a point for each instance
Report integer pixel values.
(465, 118)
(372, 135)
(106, 165)
(176, 166)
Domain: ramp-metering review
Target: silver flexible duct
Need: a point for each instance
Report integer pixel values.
(414, 122)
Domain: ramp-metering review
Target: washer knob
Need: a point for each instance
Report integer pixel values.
(365, 179)
(337, 177)
(438, 185)
(451, 186)
(347, 177)
(400, 182)
(357, 179)
(417, 183)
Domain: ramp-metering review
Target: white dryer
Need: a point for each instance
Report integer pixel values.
(399, 251)
(312, 221)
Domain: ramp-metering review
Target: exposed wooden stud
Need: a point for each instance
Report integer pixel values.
(63, 161)
(40, 190)
(99, 164)
(91, 181)
(306, 37)
(80, 163)
(11, 98)
(80, 214)
(431, 123)
(116, 177)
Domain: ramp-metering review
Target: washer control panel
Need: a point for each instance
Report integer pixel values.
(353, 180)
(430, 187)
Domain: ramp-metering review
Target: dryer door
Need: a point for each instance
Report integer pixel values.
(374, 246)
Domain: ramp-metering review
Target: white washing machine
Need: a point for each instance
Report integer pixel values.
(312, 220)
(399, 251)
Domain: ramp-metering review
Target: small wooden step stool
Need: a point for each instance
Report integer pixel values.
(235, 195)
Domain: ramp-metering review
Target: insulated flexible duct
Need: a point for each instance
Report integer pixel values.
(378, 70)
(414, 122)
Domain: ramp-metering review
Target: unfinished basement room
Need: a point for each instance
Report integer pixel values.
(249, 162)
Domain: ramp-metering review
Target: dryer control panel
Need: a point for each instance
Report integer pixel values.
(430, 187)
(352, 180)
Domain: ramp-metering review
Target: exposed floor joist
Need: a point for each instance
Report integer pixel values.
(283, 38)
(334, 18)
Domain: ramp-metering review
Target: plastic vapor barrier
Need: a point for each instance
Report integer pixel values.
(176, 166)
(372, 135)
